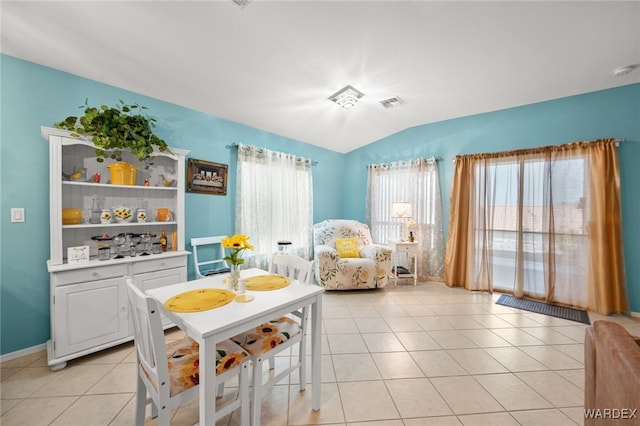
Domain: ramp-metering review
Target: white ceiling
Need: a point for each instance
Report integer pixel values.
(273, 64)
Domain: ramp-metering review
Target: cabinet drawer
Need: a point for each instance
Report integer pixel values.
(89, 274)
(159, 264)
(406, 249)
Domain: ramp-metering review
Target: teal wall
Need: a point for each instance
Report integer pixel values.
(613, 113)
(34, 96)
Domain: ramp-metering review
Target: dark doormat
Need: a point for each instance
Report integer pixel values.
(544, 308)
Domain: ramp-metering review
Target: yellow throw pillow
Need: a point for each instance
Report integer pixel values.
(347, 247)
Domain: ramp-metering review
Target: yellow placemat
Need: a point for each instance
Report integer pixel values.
(267, 282)
(199, 300)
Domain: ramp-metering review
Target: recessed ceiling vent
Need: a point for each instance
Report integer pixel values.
(242, 3)
(391, 102)
(620, 71)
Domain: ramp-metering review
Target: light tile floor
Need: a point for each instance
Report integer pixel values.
(425, 355)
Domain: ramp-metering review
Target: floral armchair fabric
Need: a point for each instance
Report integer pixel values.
(370, 270)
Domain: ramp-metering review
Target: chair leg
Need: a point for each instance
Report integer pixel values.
(272, 363)
(256, 400)
(154, 410)
(220, 393)
(302, 354)
(243, 394)
(141, 402)
(164, 417)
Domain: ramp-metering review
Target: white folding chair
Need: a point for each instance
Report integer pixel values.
(278, 334)
(169, 372)
(208, 252)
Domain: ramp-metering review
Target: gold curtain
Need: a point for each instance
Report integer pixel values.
(607, 289)
(475, 205)
(457, 265)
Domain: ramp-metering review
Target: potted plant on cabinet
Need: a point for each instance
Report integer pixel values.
(113, 129)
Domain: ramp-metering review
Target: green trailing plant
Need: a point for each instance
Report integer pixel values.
(113, 129)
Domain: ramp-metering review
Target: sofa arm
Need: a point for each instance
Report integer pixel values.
(377, 252)
(326, 263)
(326, 256)
(612, 363)
(382, 256)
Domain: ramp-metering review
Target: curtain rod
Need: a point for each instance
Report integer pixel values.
(235, 145)
(438, 158)
(616, 141)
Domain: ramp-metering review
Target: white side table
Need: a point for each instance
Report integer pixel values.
(407, 248)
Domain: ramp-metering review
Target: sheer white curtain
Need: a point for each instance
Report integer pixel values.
(274, 202)
(414, 181)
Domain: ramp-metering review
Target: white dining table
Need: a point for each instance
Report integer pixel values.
(214, 325)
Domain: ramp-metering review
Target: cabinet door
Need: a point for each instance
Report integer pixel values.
(89, 314)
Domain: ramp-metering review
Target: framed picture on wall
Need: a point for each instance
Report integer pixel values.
(206, 177)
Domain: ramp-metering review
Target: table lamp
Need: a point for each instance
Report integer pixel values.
(401, 210)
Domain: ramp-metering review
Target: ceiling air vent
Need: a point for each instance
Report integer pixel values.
(391, 102)
(241, 3)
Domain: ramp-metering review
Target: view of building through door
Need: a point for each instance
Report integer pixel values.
(527, 214)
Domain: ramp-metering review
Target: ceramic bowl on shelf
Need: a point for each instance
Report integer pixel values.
(122, 214)
(71, 216)
(103, 240)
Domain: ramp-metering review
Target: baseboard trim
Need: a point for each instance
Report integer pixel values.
(23, 352)
(635, 314)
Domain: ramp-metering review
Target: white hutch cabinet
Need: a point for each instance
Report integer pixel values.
(89, 309)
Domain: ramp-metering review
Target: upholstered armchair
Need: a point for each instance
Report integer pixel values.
(346, 258)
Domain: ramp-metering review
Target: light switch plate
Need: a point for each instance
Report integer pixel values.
(17, 215)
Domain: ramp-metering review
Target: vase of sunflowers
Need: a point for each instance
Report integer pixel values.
(236, 246)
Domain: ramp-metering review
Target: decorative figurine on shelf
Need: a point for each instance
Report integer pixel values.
(411, 224)
(146, 182)
(167, 182)
(96, 177)
(80, 175)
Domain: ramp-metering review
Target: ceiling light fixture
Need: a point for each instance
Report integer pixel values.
(346, 97)
(620, 71)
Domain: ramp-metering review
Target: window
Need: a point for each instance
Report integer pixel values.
(534, 209)
(415, 182)
(543, 223)
(274, 202)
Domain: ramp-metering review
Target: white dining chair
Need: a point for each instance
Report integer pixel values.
(208, 256)
(273, 337)
(169, 372)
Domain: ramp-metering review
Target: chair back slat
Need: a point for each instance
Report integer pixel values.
(208, 251)
(292, 266)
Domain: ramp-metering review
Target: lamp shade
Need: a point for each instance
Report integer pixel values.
(401, 210)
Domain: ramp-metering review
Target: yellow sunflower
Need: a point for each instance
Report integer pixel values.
(228, 362)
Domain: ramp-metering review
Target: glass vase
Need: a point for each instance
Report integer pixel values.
(234, 277)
